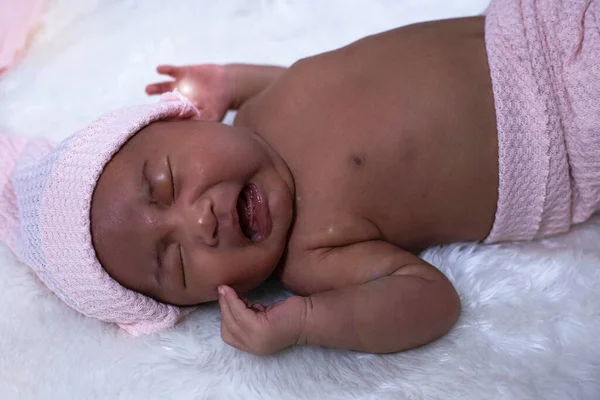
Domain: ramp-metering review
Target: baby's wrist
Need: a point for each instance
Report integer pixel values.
(233, 75)
(307, 309)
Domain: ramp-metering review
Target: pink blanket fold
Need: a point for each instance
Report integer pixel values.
(10, 148)
(17, 19)
(544, 58)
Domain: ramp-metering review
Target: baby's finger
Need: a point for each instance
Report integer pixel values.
(160, 88)
(239, 311)
(231, 340)
(168, 70)
(231, 332)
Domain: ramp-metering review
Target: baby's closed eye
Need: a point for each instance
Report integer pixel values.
(169, 260)
(159, 183)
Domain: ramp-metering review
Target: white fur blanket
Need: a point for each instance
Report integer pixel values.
(531, 319)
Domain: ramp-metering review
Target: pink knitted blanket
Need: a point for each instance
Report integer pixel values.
(10, 148)
(544, 57)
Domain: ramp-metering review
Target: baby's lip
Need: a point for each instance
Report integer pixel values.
(235, 219)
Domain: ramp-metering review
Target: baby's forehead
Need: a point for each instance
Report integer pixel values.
(113, 206)
(160, 135)
(117, 221)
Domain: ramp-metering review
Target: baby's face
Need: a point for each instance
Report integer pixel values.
(186, 206)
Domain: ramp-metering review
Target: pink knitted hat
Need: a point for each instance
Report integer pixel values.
(45, 201)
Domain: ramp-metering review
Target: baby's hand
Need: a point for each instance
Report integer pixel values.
(257, 329)
(207, 86)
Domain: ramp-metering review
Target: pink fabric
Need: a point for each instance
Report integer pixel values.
(10, 148)
(17, 19)
(51, 190)
(544, 58)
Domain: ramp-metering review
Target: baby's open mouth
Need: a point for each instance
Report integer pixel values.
(253, 213)
(245, 211)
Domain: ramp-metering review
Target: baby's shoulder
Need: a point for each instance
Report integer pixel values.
(303, 90)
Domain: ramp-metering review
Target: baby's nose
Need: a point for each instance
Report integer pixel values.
(200, 223)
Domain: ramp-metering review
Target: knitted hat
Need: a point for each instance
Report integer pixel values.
(45, 202)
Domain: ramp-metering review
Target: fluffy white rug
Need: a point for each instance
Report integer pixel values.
(531, 317)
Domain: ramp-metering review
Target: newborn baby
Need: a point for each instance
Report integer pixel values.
(339, 170)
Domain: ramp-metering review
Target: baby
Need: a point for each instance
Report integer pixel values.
(336, 173)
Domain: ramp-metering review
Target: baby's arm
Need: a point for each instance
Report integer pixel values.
(402, 303)
(214, 89)
(250, 80)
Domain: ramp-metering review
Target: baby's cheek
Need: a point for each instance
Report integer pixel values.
(253, 274)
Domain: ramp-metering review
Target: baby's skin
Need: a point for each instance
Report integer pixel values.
(336, 173)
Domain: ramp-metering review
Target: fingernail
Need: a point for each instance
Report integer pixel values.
(221, 291)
